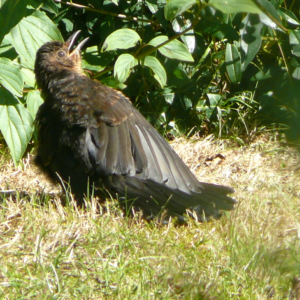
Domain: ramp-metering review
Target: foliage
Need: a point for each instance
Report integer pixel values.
(188, 65)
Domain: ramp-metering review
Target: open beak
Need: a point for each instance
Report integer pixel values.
(71, 40)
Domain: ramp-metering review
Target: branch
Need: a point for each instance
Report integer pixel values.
(121, 16)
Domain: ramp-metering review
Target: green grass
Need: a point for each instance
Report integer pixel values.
(50, 251)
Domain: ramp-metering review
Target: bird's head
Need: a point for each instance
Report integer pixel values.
(56, 57)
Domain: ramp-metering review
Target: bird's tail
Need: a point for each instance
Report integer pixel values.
(155, 199)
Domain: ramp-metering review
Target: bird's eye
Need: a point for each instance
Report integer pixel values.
(61, 53)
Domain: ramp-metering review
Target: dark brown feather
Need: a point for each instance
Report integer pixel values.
(90, 132)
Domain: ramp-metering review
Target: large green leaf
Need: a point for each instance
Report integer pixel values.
(31, 33)
(121, 39)
(173, 49)
(11, 12)
(123, 65)
(159, 71)
(235, 6)
(11, 77)
(250, 38)
(288, 16)
(269, 15)
(233, 63)
(34, 100)
(28, 77)
(175, 8)
(15, 124)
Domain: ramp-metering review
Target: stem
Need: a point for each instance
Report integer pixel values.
(102, 72)
(284, 61)
(292, 4)
(121, 16)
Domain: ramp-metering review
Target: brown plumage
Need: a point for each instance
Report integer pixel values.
(90, 135)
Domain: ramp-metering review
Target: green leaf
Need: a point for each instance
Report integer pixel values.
(169, 96)
(11, 12)
(111, 81)
(237, 99)
(175, 8)
(235, 6)
(296, 50)
(213, 102)
(5, 47)
(294, 37)
(214, 99)
(28, 77)
(47, 5)
(92, 61)
(26, 43)
(69, 25)
(296, 73)
(233, 63)
(123, 65)
(250, 38)
(288, 16)
(121, 39)
(153, 7)
(217, 29)
(159, 71)
(269, 15)
(11, 77)
(34, 100)
(262, 75)
(15, 124)
(173, 49)
(188, 38)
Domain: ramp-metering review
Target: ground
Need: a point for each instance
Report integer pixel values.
(48, 250)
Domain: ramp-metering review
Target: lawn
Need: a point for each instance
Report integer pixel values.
(54, 251)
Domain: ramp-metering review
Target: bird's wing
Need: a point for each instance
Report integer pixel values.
(124, 143)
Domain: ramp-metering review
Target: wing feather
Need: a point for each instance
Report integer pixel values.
(137, 150)
(126, 163)
(126, 144)
(153, 168)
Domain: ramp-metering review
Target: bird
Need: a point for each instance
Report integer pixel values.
(91, 137)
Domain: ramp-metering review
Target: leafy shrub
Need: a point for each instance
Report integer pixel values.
(188, 65)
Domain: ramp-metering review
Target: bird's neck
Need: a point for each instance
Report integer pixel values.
(52, 81)
(65, 95)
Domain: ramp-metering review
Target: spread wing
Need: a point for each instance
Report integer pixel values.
(124, 143)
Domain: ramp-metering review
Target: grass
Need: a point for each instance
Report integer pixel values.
(50, 251)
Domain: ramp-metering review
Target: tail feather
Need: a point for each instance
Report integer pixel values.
(155, 198)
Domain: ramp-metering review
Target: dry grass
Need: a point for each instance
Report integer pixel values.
(48, 251)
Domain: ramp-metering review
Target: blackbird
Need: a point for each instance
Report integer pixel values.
(92, 137)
